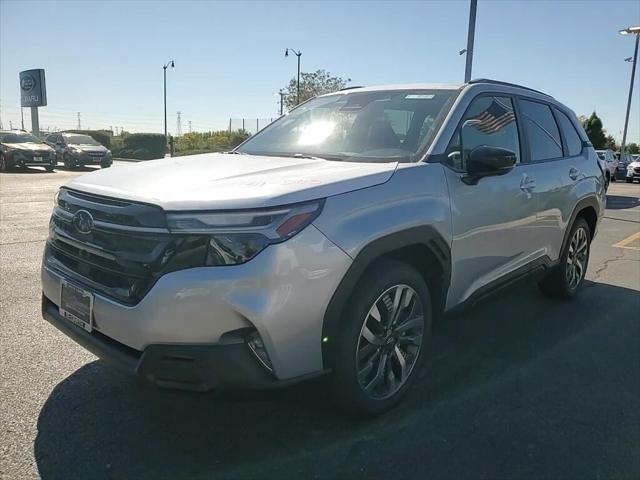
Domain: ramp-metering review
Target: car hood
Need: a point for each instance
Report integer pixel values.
(29, 146)
(227, 181)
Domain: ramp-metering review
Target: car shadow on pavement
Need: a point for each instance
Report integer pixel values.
(100, 424)
(619, 202)
(27, 170)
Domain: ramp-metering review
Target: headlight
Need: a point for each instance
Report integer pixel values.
(76, 150)
(237, 237)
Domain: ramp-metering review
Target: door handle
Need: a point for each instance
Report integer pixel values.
(527, 184)
(574, 173)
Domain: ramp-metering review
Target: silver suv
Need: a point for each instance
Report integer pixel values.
(328, 243)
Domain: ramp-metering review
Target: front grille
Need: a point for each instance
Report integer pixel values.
(636, 169)
(96, 154)
(126, 251)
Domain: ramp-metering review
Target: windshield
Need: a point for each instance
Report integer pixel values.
(81, 140)
(380, 126)
(18, 138)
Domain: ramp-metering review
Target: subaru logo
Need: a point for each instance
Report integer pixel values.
(83, 222)
(27, 83)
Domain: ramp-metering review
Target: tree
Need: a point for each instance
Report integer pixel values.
(311, 85)
(633, 148)
(610, 142)
(593, 127)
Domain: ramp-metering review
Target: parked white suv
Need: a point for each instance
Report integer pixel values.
(328, 243)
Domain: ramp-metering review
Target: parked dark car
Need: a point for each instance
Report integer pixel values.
(21, 149)
(75, 150)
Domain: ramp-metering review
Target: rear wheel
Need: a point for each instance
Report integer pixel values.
(3, 164)
(384, 335)
(607, 180)
(565, 279)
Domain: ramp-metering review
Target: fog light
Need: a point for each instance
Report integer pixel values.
(257, 347)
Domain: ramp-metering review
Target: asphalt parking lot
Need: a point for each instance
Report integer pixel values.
(519, 387)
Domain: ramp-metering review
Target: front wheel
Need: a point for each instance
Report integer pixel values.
(629, 180)
(69, 164)
(565, 280)
(384, 334)
(3, 164)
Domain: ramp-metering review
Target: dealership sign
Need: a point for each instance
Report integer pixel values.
(33, 89)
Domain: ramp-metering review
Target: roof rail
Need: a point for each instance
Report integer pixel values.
(506, 84)
(350, 88)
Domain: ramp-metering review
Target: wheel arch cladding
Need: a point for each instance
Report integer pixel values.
(420, 247)
(587, 208)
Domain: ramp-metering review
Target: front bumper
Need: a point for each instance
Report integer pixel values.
(228, 364)
(86, 159)
(635, 175)
(282, 293)
(28, 159)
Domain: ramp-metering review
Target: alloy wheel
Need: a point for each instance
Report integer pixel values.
(390, 341)
(577, 258)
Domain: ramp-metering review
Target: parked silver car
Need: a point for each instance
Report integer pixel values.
(328, 243)
(76, 150)
(610, 163)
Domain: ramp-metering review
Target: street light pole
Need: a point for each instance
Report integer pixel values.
(164, 71)
(470, 39)
(633, 31)
(297, 54)
(282, 95)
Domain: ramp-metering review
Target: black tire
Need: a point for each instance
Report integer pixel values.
(3, 164)
(105, 165)
(371, 289)
(557, 283)
(69, 164)
(629, 180)
(49, 168)
(607, 180)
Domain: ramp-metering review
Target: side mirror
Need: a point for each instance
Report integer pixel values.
(487, 161)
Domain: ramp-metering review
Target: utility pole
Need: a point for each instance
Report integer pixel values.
(179, 125)
(282, 94)
(164, 71)
(79, 124)
(635, 31)
(470, 39)
(22, 117)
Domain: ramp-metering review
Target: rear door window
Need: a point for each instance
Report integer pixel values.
(574, 142)
(542, 131)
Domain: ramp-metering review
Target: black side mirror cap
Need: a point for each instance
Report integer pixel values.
(485, 161)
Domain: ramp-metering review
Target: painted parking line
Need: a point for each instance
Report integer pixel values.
(632, 242)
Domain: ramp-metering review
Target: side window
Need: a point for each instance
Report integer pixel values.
(489, 121)
(574, 142)
(542, 131)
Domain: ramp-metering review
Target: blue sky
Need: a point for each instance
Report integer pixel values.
(104, 59)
